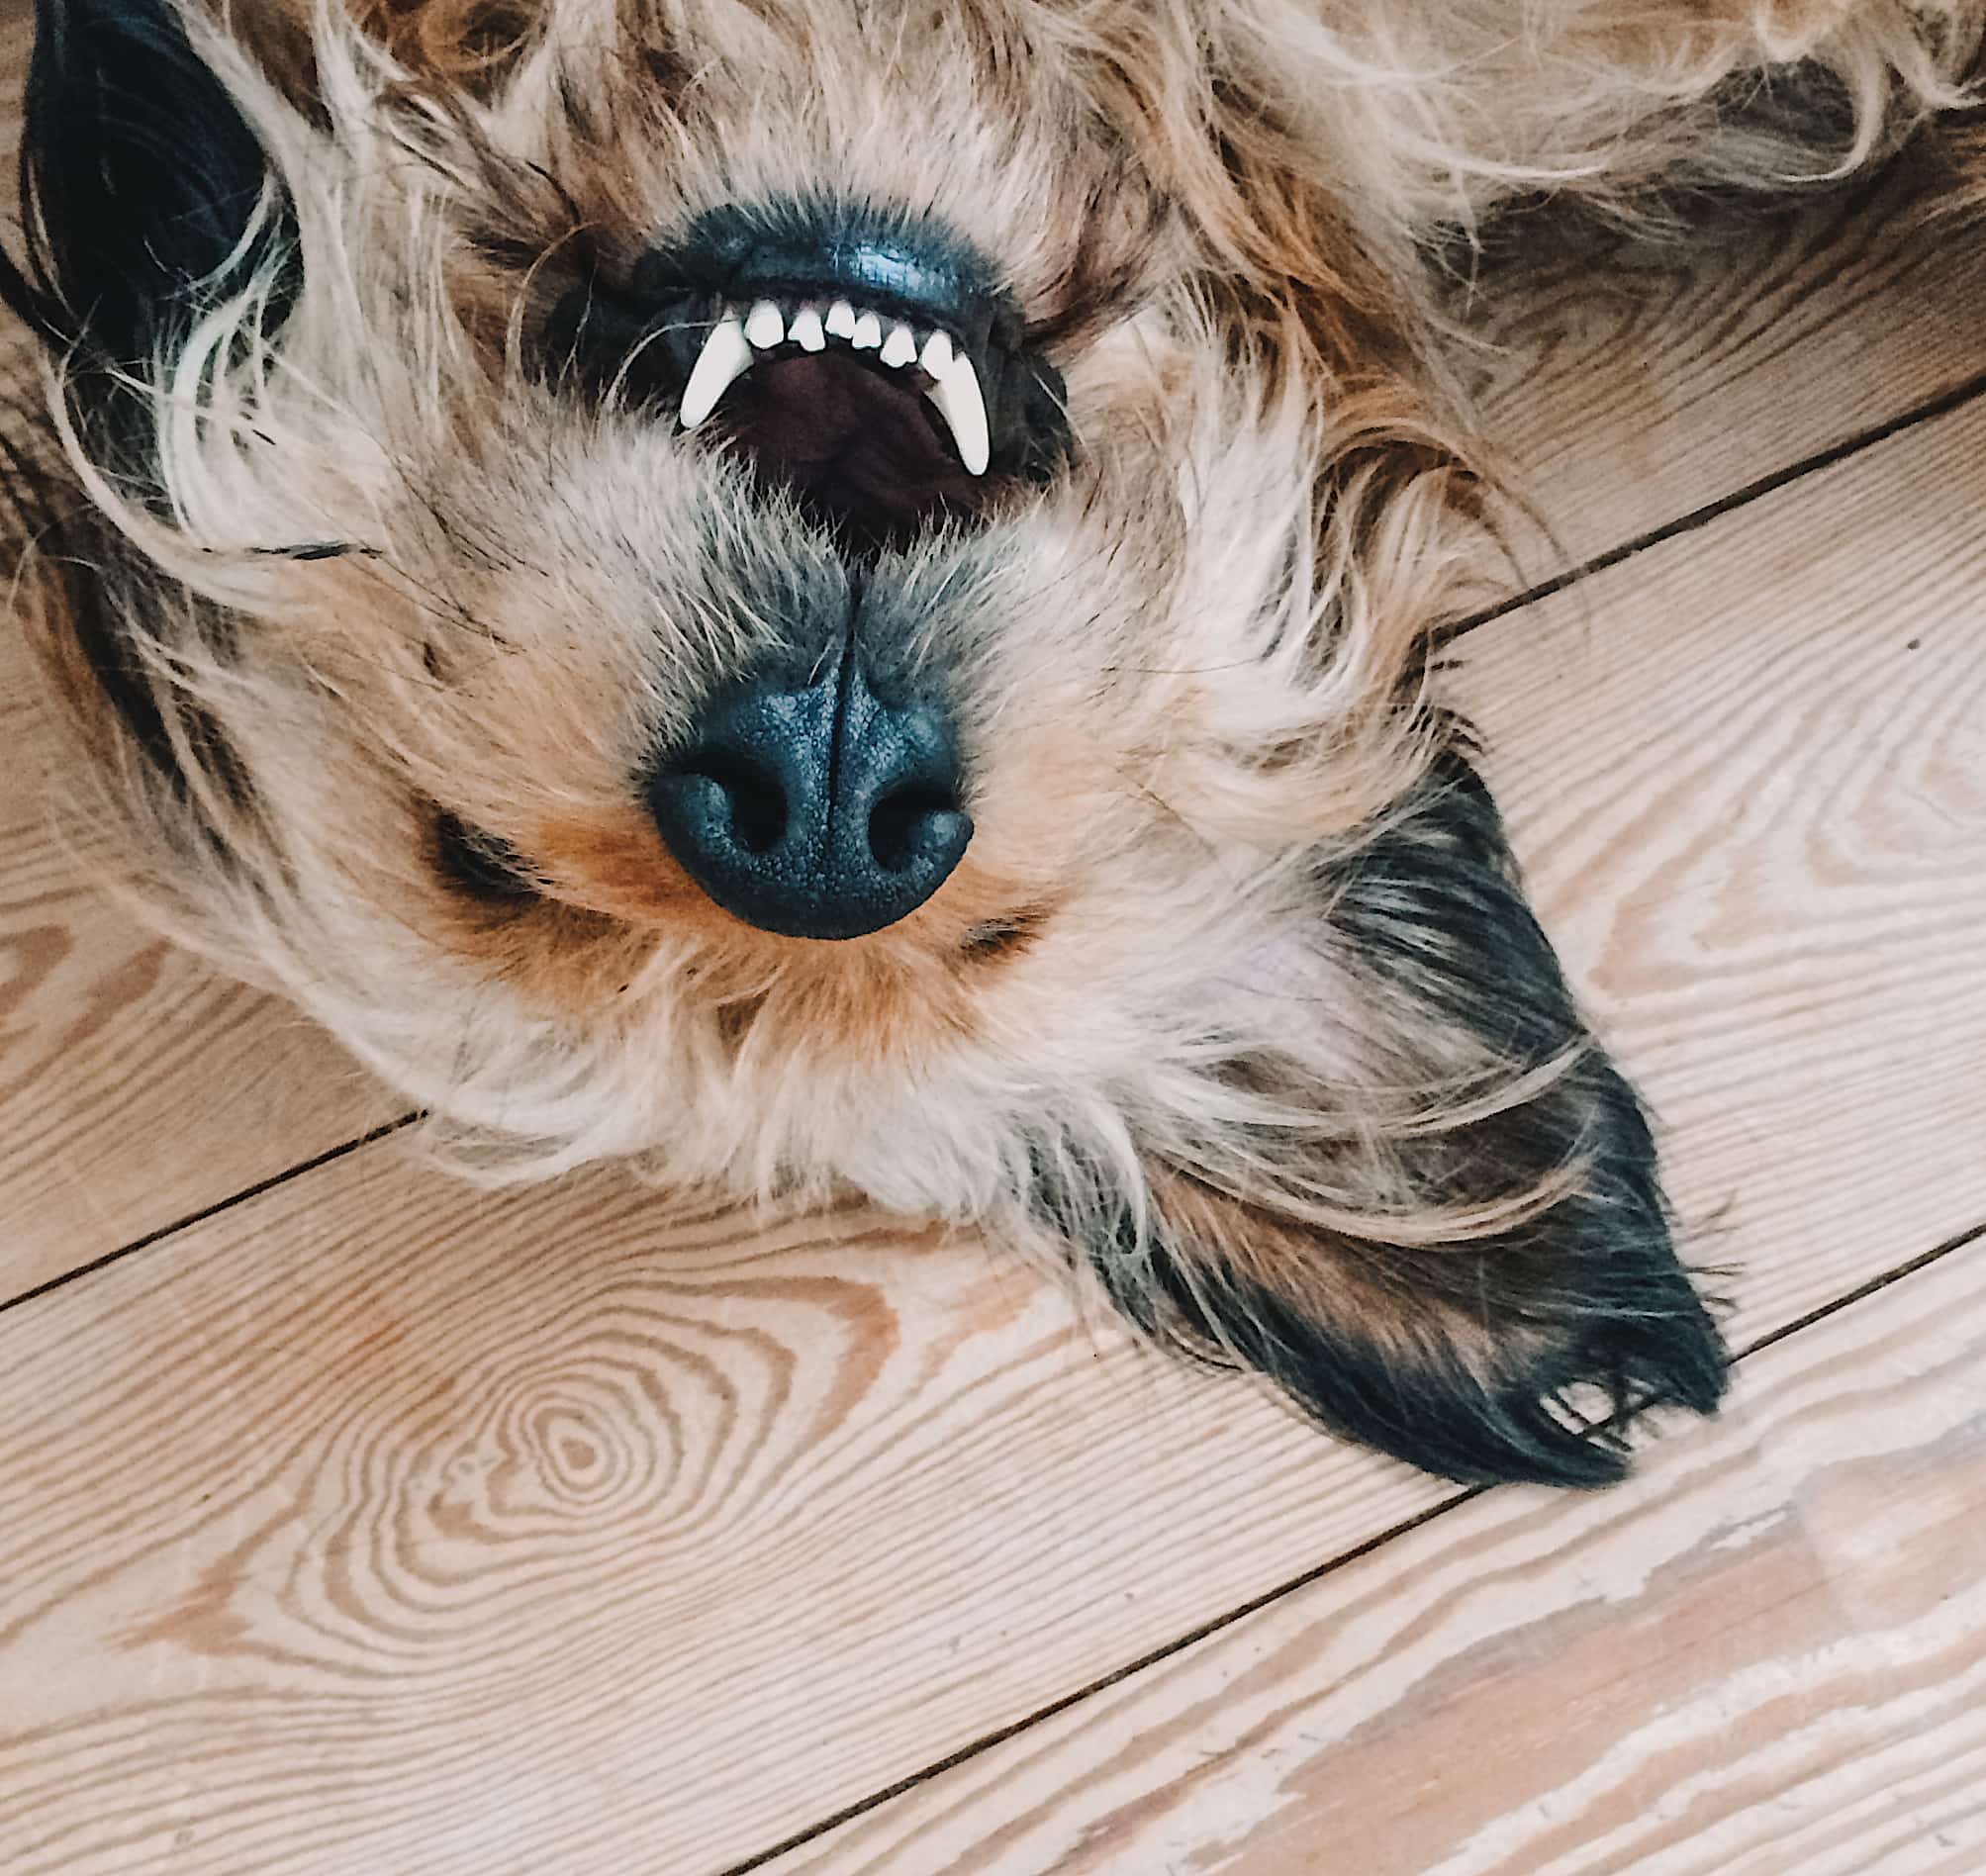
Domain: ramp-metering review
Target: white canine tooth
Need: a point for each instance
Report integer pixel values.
(841, 320)
(957, 396)
(764, 327)
(868, 332)
(936, 357)
(805, 331)
(901, 346)
(726, 356)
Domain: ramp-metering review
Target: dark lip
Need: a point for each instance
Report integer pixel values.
(642, 332)
(896, 262)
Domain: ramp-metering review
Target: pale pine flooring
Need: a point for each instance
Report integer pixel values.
(353, 1522)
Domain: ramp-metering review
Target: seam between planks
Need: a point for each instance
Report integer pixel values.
(1929, 411)
(1897, 1273)
(145, 1240)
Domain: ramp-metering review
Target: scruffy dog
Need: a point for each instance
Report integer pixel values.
(828, 593)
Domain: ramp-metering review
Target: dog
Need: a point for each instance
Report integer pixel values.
(825, 595)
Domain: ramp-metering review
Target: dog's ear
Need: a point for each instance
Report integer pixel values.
(144, 194)
(1468, 1229)
(145, 200)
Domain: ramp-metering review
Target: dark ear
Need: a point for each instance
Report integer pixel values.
(1380, 1276)
(139, 180)
(143, 194)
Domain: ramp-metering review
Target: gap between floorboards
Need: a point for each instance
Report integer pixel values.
(1689, 523)
(145, 1240)
(1897, 1273)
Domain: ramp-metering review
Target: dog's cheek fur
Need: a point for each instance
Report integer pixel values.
(1444, 1222)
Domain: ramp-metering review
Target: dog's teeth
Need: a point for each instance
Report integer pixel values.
(805, 331)
(957, 396)
(841, 320)
(936, 357)
(726, 356)
(901, 346)
(868, 332)
(764, 327)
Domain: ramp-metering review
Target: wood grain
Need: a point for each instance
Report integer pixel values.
(136, 1085)
(1631, 380)
(1765, 1654)
(398, 1527)
(1747, 776)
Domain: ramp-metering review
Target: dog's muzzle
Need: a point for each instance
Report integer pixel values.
(866, 359)
(826, 806)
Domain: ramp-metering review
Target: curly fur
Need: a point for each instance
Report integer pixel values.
(1234, 992)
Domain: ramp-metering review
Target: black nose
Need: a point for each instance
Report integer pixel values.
(817, 812)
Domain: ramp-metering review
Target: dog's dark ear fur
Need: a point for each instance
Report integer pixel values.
(139, 185)
(139, 181)
(1458, 1356)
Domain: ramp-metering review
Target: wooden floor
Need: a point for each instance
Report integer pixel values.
(354, 1522)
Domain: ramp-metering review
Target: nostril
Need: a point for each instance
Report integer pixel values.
(820, 812)
(909, 824)
(756, 801)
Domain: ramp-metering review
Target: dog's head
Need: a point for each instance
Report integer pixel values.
(831, 595)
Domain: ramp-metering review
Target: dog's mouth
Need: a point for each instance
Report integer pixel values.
(866, 362)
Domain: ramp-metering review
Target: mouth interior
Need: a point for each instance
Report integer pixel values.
(866, 359)
(860, 445)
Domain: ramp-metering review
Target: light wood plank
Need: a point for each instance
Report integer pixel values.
(1629, 380)
(1766, 1654)
(419, 1531)
(1746, 775)
(408, 1534)
(136, 1085)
